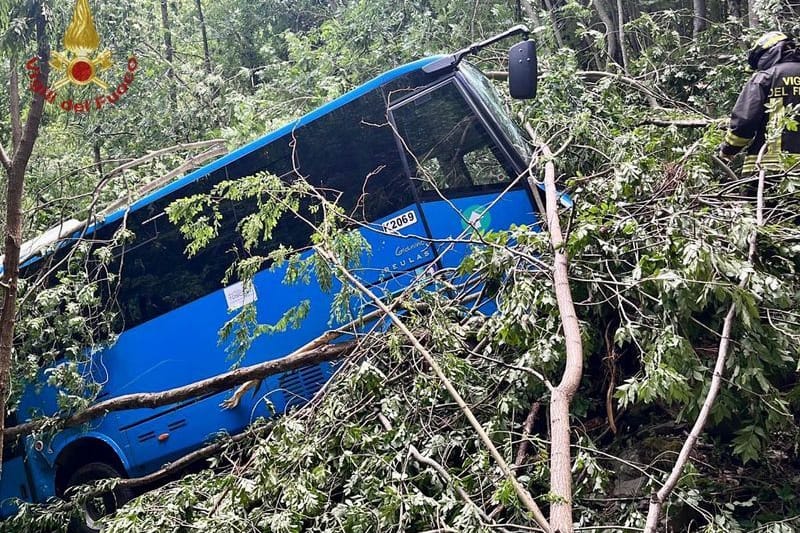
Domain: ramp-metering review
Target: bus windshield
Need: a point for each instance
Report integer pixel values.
(493, 101)
(448, 143)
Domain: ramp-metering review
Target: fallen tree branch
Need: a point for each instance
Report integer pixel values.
(725, 167)
(658, 498)
(684, 123)
(180, 463)
(597, 75)
(522, 493)
(561, 396)
(594, 76)
(236, 398)
(527, 429)
(610, 361)
(168, 469)
(325, 338)
(522, 451)
(210, 144)
(315, 351)
(163, 151)
(214, 384)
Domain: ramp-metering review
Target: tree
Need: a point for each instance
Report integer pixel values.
(15, 163)
(169, 51)
(699, 18)
(606, 14)
(206, 56)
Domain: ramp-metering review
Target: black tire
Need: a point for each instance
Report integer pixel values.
(100, 506)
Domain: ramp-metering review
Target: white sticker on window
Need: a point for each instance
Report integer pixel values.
(237, 297)
(400, 221)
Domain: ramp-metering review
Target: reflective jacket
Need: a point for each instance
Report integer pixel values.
(777, 82)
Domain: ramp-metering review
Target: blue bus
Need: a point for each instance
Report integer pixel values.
(418, 155)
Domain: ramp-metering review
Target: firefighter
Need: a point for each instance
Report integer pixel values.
(776, 59)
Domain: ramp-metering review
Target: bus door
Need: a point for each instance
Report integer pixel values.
(463, 177)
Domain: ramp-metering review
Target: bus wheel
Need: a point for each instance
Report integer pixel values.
(96, 508)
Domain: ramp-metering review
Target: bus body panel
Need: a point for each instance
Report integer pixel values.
(460, 218)
(188, 345)
(41, 464)
(18, 486)
(161, 439)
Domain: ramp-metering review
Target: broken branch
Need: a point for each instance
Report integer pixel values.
(561, 396)
(193, 162)
(657, 499)
(163, 151)
(439, 470)
(214, 384)
(684, 123)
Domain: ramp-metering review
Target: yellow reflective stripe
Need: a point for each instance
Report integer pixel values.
(773, 162)
(773, 39)
(734, 140)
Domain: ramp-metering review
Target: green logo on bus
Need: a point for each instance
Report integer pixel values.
(477, 217)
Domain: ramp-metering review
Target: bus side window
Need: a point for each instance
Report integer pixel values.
(351, 154)
(449, 147)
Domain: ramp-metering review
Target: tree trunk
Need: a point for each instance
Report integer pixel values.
(735, 8)
(13, 103)
(621, 35)
(561, 396)
(529, 11)
(560, 463)
(13, 241)
(699, 19)
(634, 42)
(752, 16)
(551, 9)
(206, 55)
(98, 160)
(605, 14)
(15, 172)
(169, 51)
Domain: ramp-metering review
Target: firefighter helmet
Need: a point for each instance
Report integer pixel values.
(764, 43)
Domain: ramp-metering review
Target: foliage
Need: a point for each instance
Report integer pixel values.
(658, 245)
(63, 309)
(198, 219)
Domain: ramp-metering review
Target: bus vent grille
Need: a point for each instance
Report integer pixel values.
(301, 385)
(146, 436)
(177, 424)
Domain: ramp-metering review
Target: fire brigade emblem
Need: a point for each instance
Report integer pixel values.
(79, 66)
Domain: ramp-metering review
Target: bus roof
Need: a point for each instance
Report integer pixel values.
(219, 163)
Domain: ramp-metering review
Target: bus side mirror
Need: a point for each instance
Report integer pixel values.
(522, 70)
